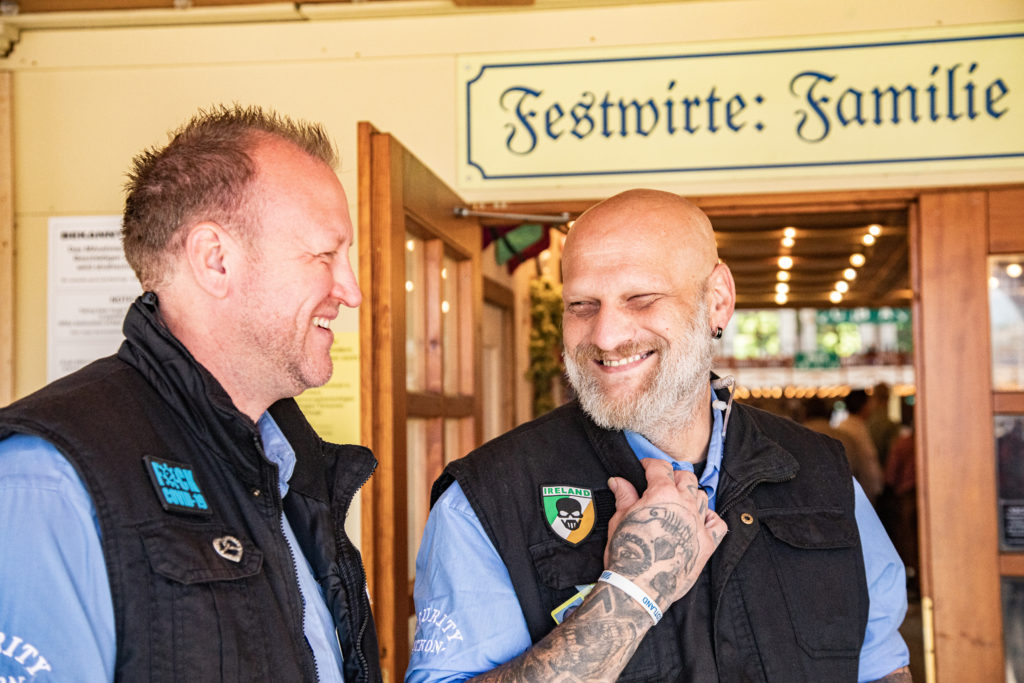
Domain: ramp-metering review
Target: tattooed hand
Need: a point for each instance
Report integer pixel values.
(662, 540)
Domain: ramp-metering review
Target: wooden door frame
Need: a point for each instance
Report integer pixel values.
(396, 189)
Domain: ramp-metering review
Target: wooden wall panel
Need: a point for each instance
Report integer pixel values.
(1006, 221)
(955, 422)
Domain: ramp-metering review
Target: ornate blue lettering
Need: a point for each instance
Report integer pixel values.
(814, 101)
(583, 106)
(523, 116)
(549, 121)
(991, 101)
(858, 115)
(731, 114)
(879, 93)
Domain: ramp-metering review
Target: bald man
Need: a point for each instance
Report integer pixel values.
(513, 583)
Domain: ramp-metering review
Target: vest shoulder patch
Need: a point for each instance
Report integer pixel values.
(176, 487)
(569, 511)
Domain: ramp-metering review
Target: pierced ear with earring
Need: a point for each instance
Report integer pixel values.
(717, 334)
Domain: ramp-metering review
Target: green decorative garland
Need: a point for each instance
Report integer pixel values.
(545, 341)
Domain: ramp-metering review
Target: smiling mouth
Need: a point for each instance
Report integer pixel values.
(325, 323)
(625, 361)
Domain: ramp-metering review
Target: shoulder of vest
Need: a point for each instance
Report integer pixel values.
(554, 437)
(761, 440)
(90, 392)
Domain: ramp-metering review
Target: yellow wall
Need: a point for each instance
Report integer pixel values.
(86, 100)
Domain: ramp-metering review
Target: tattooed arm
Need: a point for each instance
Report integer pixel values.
(660, 541)
(901, 675)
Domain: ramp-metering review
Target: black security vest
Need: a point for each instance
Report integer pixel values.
(784, 598)
(183, 611)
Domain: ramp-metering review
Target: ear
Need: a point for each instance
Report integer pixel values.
(208, 251)
(721, 296)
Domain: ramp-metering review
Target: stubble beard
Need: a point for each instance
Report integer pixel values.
(667, 399)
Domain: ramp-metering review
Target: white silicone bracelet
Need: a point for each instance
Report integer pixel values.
(634, 591)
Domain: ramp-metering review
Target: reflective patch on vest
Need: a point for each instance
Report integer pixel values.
(569, 511)
(176, 487)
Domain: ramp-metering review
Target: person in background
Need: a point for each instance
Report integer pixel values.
(863, 456)
(168, 513)
(901, 490)
(540, 561)
(883, 429)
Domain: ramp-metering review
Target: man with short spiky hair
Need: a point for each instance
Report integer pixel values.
(168, 513)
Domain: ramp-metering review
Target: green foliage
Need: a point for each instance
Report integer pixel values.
(545, 342)
(842, 339)
(757, 334)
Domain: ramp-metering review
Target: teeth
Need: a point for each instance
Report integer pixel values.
(322, 322)
(622, 361)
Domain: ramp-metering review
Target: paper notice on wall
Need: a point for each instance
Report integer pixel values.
(89, 288)
(333, 409)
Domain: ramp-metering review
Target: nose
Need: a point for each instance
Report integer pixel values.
(612, 327)
(346, 288)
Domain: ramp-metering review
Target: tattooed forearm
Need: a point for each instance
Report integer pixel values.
(594, 644)
(897, 676)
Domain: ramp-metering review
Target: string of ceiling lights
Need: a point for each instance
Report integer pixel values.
(841, 287)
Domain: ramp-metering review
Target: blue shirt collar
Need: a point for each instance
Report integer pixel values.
(716, 447)
(278, 450)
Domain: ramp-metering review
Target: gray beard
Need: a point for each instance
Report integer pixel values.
(668, 401)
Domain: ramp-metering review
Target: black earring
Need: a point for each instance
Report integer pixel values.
(718, 333)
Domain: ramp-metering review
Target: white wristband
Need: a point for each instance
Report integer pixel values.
(634, 591)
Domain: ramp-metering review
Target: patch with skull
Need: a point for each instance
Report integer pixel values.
(569, 511)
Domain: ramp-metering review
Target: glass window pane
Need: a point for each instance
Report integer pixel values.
(458, 436)
(450, 310)
(416, 494)
(498, 391)
(1010, 462)
(1013, 628)
(415, 314)
(1006, 312)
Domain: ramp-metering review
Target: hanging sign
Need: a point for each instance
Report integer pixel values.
(907, 102)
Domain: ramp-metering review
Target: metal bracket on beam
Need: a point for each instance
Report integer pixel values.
(464, 212)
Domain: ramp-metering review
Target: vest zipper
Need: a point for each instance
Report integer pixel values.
(360, 576)
(276, 488)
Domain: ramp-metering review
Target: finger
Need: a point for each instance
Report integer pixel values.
(684, 477)
(658, 472)
(716, 526)
(686, 480)
(625, 494)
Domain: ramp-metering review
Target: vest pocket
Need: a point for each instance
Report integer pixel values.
(818, 566)
(202, 624)
(193, 553)
(561, 566)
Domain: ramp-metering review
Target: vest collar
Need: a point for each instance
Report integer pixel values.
(188, 388)
(750, 456)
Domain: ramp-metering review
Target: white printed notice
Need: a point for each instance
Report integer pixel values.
(89, 289)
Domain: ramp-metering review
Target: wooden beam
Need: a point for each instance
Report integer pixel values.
(957, 475)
